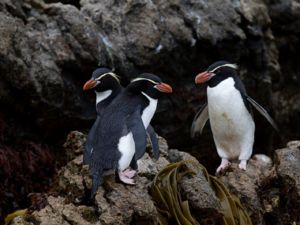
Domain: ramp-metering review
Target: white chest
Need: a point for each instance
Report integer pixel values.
(149, 111)
(227, 112)
(100, 96)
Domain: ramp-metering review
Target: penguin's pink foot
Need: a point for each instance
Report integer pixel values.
(225, 164)
(243, 165)
(129, 173)
(125, 179)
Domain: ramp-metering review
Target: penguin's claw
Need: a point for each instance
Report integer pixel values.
(243, 165)
(225, 164)
(125, 179)
(129, 173)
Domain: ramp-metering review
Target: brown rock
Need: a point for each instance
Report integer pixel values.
(245, 184)
(288, 163)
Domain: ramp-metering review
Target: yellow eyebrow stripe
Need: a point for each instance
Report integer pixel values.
(234, 66)
(111, 74)
(140, 78)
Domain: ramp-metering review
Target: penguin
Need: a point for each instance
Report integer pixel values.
(229, 111)
(121, 132)
(106, 85)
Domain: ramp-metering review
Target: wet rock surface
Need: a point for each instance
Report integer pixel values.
(49, 49)
(262, 189)
(288, 165)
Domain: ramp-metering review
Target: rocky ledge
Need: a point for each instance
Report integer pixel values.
(269, 191)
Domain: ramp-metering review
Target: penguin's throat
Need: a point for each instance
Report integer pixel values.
(100, 96)
(149, 110)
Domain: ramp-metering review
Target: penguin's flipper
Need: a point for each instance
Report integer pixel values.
(136, 126)
(262, 111)
(88, 146)
(154, 141)
(200, 120)
(86, 153)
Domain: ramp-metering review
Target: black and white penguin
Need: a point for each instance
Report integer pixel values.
(106, 85)
(121, 128)
(228, 109)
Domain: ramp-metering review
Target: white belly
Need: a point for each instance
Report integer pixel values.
(231, 123)
(127, 148)
(149, 111)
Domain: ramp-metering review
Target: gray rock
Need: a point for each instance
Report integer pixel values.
(195, 189)
(49, 50)
(116, 203)
(267, 191)
(245, 184)
(287, 160)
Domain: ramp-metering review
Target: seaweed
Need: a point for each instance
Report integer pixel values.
(173, 210)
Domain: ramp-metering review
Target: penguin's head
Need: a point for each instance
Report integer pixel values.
(102, 79)
(149, 84)
(216, 72)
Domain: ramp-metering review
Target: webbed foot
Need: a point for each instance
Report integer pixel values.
(125, 179)
(129, 173)
(243, 165)
(225, 164)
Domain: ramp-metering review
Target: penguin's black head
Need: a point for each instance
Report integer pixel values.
(216, 72)
(149, 84)
(102, 79)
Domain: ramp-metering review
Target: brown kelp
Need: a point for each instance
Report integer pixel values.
(173, 210)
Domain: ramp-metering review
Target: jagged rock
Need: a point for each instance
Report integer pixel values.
(74, 144)
(268, 191)
(195, 189)
(49, 49)
(116, 203)
(288, 163)
(245, 184)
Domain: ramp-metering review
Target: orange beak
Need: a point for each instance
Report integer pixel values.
(203, 77)
(163, 87)
(89, 84)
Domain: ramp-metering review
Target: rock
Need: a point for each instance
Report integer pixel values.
(49, 49)
(288, 166)
(127, 204)
(245, 184)
(268, 191)
(74, 144)
(116, 203)
(195, 189)
(58, 212)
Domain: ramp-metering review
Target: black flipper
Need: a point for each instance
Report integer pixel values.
(154, 141)
(87, 149)
(200, 120)
(262, 111)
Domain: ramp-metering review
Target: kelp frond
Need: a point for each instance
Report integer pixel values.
(171, 208)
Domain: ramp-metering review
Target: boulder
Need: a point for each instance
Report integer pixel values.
(49, 49)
